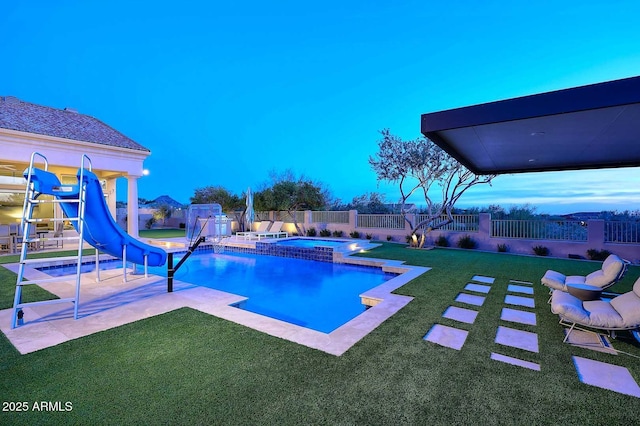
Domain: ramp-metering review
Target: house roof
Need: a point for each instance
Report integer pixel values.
(63, 123)
(587, 127)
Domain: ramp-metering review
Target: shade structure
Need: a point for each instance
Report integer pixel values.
(587, 127)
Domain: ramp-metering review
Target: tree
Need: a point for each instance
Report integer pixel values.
(230, 203)
(162, 213)
(290, 193)
(372, 203)
(420, 165)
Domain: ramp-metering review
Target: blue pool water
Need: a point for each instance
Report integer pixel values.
(318, 295)
(310, 243)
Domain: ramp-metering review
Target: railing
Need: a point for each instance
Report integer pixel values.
(461, 222)
(540, 230)
(287, 218)
(386, 221)
(330, 217)
(260, 216)
(622, 232)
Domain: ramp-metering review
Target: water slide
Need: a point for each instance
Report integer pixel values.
(100, 229)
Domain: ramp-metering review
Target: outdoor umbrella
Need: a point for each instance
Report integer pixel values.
(250, 214)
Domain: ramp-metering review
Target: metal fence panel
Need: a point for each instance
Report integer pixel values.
(330, 217)
(461, 222)
(386, 221)
(564, 230)
(622, 232)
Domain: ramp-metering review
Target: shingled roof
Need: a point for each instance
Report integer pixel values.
(63, 123)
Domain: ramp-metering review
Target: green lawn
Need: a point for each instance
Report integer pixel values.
(161, 233)
(186, 367)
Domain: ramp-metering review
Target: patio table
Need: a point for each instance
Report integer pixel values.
(584, 292)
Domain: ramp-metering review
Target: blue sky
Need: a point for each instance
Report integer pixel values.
(224, 92)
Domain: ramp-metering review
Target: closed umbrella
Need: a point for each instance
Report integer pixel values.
(250, 214)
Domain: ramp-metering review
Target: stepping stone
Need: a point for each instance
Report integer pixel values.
(478, 288)
(589, 340)
(521, 282)
(481, 279)
(460, 314)
(519, 289)
(449, 337)
(517, 339)
(515, 315)
(470, 299)
(606, 376)
(515, 361)
(519, 301)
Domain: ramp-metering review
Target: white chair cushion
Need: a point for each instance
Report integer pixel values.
(554, 280)
(568, 306)
(611, 268)
(628, 306)
(603, 315)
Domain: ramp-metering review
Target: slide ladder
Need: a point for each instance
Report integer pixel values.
(75, 194)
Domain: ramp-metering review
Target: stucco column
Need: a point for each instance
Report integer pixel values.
(595, 233)
(132, 205)
(353, 219)
(111, 197)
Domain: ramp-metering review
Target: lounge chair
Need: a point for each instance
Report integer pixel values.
(262, 227)
(56, 235)
(620, 313)
(274, 232)
(612, 271)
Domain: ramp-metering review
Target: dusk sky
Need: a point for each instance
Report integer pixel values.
(224, 92)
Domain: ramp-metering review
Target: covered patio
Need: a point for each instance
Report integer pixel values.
(588, 127)
(63, 136)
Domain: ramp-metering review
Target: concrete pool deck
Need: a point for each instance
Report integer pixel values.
(111, 303)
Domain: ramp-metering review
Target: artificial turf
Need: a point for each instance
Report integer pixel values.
(161, 233)
(186, 367)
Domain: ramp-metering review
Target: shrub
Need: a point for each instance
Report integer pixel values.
(466, 242)
(325, 233)
(182, 225)
(541, 251)
(311, 232)
(369, 236)
(354, 234)
(338, 234)
(441, 241)
(389, 238)
(594, 254)
(503, 248)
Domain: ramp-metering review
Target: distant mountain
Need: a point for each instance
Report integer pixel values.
(583, 215)
(164, 200)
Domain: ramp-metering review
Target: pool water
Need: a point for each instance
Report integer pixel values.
(318, 295)
(310, 243)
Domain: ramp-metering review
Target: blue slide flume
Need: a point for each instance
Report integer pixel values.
(100, 229)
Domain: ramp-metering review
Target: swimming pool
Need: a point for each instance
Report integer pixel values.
(321, 296)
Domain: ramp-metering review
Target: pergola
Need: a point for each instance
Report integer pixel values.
(588, 127)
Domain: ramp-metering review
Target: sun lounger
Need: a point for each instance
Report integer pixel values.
(274, 232)
(620, 313)
(262, 227)
(612, 271)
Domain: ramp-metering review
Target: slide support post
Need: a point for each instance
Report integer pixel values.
(170, 272)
